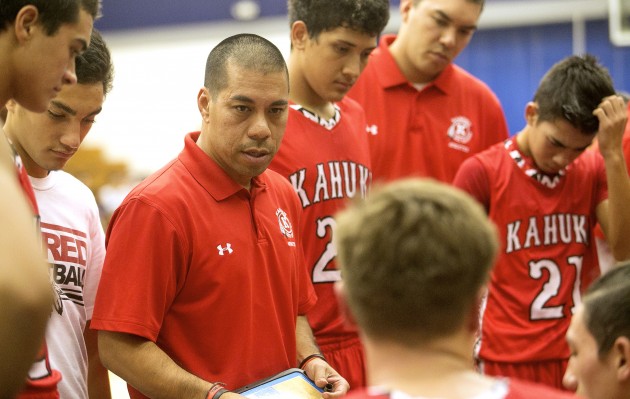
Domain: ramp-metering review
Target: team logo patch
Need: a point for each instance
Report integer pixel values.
(285, 224)
(460, 130)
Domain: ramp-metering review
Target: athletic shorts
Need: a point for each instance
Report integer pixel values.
(548, 372)
(347, 358)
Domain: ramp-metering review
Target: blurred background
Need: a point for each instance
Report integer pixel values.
(160, 47)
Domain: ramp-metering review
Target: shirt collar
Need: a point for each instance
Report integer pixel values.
(209, 174)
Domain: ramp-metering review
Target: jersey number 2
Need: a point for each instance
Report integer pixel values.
(538, 310)
(320, 274)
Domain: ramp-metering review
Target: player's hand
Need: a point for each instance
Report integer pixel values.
(327, 378)
(612, 115)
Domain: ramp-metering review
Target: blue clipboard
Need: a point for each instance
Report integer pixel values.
(289, 384)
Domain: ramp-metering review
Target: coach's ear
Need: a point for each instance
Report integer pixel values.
(343, 304)
(621, 356)
(203, 100)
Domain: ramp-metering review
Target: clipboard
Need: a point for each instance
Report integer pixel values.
(289, 384)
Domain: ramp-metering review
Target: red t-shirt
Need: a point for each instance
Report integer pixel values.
(427, 132)
(548, 255)
(212, 273)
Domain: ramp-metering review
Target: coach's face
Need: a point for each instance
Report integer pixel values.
(243, 127)
(432, 34)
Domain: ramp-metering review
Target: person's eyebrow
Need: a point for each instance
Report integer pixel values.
(64, 107)
(279, 102)
(353, 45)
(345, 42)
(71, 111)
(241, 98)
(245, 99)
(445, 16)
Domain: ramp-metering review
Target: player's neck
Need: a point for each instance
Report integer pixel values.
(324, 109)
(438, 370)
(302, 93)
(522, 142)
(436, 358)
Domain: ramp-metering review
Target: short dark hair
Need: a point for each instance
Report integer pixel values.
(95, 64)
(607, 307)
(414, 256)
(247, 50)
(366, 16)
(52, 13)
(571, 90)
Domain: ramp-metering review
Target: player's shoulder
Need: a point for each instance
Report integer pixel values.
(72, 185)
(491, 154)
(469, 82)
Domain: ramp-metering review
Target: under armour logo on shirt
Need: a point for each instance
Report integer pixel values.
(223, 250)
(372, 129)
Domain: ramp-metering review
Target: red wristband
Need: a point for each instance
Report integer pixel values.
(216, 390)
(311, 357)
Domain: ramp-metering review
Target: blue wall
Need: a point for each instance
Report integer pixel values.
(512, 61)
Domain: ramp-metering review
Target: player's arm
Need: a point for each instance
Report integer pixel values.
(472, 178)
(25, 291)
(316, 368)
(98, 377)
(613, 214)
(148, 368)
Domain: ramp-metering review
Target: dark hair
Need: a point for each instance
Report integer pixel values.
(245, 50)
(52, 13)
(607, 307)
(95, 64)
(572, 89)
(366, 16)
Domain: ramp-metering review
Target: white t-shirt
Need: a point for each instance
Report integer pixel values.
(75, 246)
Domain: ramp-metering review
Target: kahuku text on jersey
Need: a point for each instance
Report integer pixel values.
(555, 228)
(334, 180)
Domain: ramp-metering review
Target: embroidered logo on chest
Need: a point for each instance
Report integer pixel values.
(285, 226)
(460, 130)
